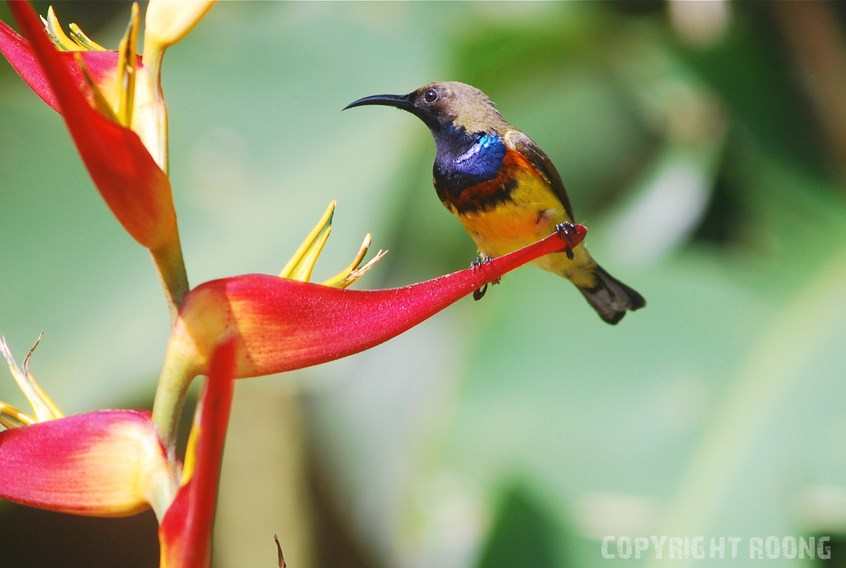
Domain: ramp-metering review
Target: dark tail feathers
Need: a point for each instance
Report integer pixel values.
(611, 298)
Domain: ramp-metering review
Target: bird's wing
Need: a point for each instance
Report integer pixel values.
(538, 158)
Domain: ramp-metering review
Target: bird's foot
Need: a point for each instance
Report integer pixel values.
(569, 234)
(481, 260)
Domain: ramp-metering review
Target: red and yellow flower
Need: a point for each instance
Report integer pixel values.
(113, 106)
(119, 462)
(111, 463)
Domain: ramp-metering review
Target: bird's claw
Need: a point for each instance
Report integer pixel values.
(481, 260)
(567, 232)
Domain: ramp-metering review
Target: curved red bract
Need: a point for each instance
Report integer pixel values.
(19, 54)
(132, 184)
(282, 324)
(86, 464)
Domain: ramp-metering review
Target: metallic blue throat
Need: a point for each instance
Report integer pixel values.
(463, 160)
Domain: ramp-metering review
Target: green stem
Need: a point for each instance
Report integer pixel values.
(171, 268)
(177, 373)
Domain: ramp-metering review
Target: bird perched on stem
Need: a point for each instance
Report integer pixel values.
(503, 188)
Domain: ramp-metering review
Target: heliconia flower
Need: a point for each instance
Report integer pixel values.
(116, 82)
(111, 463)
(133, 184)
(106, 463)
(281, 324)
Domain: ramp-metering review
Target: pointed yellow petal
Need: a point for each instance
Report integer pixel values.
(315, 238)
(309, 260)
(57, 34)
(168, 21)
(352, 272)
(45, 398)
(356, 274)
(83, 40)
(42, 406)
(11, 417)
(126, 69)
(336, 280)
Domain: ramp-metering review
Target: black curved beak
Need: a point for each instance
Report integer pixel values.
(399, 101)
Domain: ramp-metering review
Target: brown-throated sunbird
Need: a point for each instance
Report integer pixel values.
(502, 187)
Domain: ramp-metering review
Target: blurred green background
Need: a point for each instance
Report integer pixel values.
(704, 143)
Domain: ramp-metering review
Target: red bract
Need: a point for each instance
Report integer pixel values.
(110, 463)
(283, 324)
(134, 187)
(17, 51)
(185, 532)
(102, 463)
(280, 324)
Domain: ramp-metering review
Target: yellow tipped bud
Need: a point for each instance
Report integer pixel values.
(57, 34)
(356, 274)
(305, 258)
(11, 417)
(77, 41)
(83, 40)
(42, 405)
(168, 21)
(302, 264)
(352, 272)
(305, 268)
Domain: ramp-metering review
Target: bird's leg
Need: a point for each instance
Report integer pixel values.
(480, 260)
(567, 232)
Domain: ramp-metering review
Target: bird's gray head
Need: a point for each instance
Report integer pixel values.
(442, 105)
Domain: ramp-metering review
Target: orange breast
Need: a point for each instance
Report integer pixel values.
(530, 212)
(490, 193)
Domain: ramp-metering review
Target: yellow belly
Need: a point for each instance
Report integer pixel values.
(531, 214)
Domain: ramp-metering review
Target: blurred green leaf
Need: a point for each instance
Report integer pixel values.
(524, 533)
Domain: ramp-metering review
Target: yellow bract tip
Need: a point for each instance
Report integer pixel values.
(168, 21)
(42, 405)
(57, 34)
(352, 271)
(304, 259)
(11, 417)
(77, 41)
(302, 264)
(83, 40)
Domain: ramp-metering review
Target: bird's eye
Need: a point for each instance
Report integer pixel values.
(430, 96)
